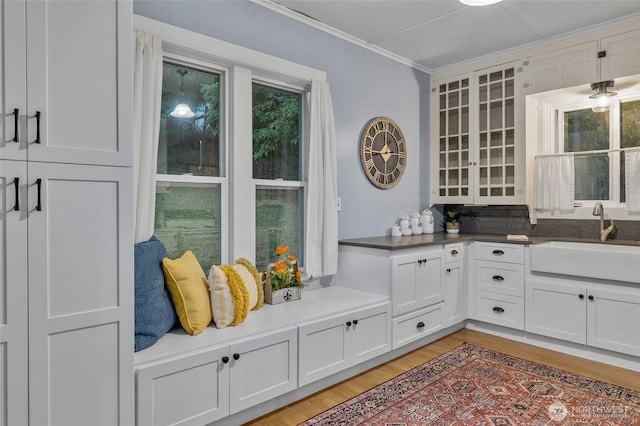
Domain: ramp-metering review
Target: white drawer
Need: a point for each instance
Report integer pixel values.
(499, 309)
(416, 325)
(511, 253)
(453, 252)
(498, 277)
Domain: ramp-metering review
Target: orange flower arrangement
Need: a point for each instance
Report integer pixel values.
(284, 273)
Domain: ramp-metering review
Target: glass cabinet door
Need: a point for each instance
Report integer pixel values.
(454, 140)
(496, 134)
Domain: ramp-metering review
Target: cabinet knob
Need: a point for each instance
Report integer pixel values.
(348, 323)
(225, 359)
(419, 261)
(236, 356)
(498, 278)
(454, 252)
(498, 309)
(420, 325)
(591, 297)
(355, 322)
(498, 252)
(581, 296)
(448, 269)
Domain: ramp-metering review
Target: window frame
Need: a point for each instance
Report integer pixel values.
(242, 67)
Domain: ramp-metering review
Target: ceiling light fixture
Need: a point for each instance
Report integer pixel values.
(479, 2)
(182, 110)
(602, 95)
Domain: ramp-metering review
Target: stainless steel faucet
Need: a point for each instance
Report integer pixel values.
(598, 210)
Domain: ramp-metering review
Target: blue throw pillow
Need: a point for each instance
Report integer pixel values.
(154, 310)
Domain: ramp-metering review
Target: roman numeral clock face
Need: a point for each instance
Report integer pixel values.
(383, 152)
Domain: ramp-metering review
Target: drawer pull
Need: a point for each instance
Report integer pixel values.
(420, 324)
(498, 278)
(225, 359)
(498, 252)
(498, 309)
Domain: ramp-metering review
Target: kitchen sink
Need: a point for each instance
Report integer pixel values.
(583, 259)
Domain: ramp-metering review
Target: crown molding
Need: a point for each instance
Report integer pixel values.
(269, 4)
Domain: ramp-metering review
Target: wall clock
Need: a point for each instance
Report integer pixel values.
(383, 152)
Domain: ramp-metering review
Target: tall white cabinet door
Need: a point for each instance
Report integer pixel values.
(79, 81)
(80, 295)
(13, 294)
(13, 96)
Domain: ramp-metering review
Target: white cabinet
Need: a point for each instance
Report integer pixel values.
(416, 280)
(498, 284)
(203, 387)
(455, 294)
(606, 58)
(67, 264)
(598, 315)
(476, 139)
(333, 344)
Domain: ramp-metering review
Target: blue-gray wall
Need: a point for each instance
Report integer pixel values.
(364, 85)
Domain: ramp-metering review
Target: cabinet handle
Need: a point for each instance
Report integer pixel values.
(39, 204)
(37, 127)
(454, 252)
(16, 115)
(236, 356)
(225, 359)
(355, 322)
(498, 252)
(16, 204)
(498, 309)
(581, 296)
(348, 323)
(498, 278)
(591, 297)
(420, 324)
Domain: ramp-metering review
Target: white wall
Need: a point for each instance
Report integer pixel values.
(363, 85)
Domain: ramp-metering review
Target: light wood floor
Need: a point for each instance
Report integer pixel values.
(327, 398)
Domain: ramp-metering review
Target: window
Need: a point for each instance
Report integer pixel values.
(599, 170)
(277, 170)
(191, 200)
(190, 182)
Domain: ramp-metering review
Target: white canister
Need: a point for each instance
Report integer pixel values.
(427, 222)
(395, 231)
(416, 223)
(405, 225)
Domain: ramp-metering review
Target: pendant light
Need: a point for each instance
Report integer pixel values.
(479, 2)
(602, 95)
(182, 110)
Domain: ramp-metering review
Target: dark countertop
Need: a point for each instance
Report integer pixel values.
(410, 241)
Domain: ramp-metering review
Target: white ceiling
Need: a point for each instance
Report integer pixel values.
(439, 33)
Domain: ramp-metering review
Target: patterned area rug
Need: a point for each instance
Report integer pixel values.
(475, 386)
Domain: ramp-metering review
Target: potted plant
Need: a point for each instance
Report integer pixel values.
(452, 222)
(283, 282)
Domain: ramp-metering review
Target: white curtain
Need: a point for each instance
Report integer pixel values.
(554, 183)
(632, 179)
(321, 248)
(147, 94)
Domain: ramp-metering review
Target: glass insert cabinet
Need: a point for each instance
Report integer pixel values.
(477, 139)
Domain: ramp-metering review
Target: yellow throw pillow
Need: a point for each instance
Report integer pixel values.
(234, 292)
(189, 291)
